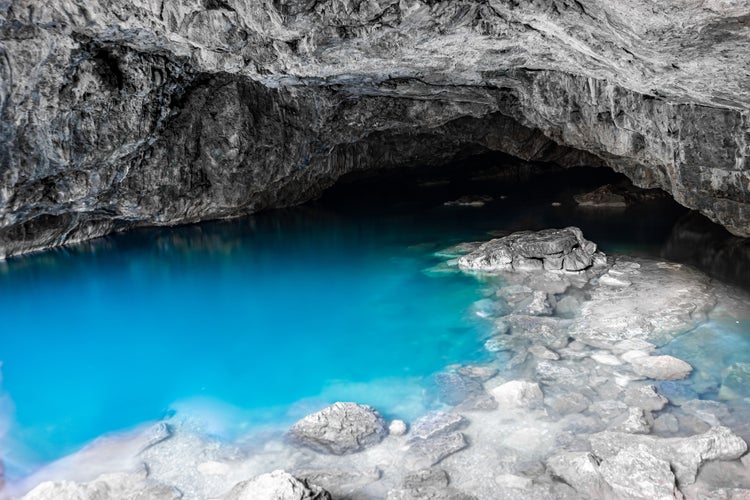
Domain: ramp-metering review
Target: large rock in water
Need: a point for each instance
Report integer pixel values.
(119, 114)
(548, 249)
(340, 429)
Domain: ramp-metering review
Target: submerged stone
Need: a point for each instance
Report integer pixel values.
(340, 429)
(661, 367)
(436, 423)
(735, 382)
(636, 473)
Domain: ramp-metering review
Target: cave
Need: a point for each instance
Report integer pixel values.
(374, 249)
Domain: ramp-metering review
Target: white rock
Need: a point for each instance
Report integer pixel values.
(636, 473)
(661, 367)
(276, 485)
(518, 394)
(604, 358)
(397, 428)
(513, 481)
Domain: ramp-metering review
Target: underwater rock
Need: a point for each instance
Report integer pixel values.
(646, 397)
(518, 394)
(602, 197)
(541, 352)
(549, 249)
(469, 201)
(735, 381)
(661, 367)
(278, 485)
(427, 484)
(633, 421)
(636, 473)
(424, 453)
(118, 485)
(436, 423)
(338, 482)
(454, 388)
(581, 471)
(340, 429)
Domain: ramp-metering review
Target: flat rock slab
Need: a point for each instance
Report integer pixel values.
(436, 423)
(340, 429)
(661, 367)
(636, 473)
(428, 452)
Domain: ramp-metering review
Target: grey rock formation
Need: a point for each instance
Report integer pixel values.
(278, 485)
(636, 473)
(340, 429)
(136, 485)
(139, 113)
(436, 423)
(548, 249)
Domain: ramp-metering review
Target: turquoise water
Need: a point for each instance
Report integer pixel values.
(263, 318)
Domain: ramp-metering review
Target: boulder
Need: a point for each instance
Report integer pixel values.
(340, 429)
(276, 485)
(134, 485)
(684, 454)
(636, 473)
(550, 249)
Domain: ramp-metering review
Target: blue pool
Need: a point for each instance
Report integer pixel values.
(256, 321)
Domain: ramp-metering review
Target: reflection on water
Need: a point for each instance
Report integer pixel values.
(256, 321)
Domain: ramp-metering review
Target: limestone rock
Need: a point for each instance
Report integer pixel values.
(120, 485)
(550, 249)
(581, 471)
(424, 453)
(340, 429)
(634, 421)
(636, 473)
(518, 394)
(278, 485)
(661, 367)
(646, 397)
(436, 423)
(684, 454)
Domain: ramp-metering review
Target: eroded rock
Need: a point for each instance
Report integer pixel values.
(278, 485)
(340, 429)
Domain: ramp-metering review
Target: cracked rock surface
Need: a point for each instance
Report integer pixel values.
(149, 112)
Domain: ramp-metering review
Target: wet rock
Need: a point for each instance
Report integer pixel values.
(608, 409)
(661, 367)
(605, 197)
(513, 481)
(666, 424)
(455, 251)
(518, 394)
(397, 428)
(646, 397)
(119, 485)
(427, 484)
(454, 388)
(424, 453)
(278, 485)
(711, 412)
(338, 482)
(604, 358)
(436, 423)
(550, 249)
(685, 455)
(340, 429)
(581, 471)
(551, 371)
(633, 421)
(155, 435)
(568, 403)
(536, 304)
(636, 473)
(480, 373)
(735, 381)
(546, 331)
(542, 352)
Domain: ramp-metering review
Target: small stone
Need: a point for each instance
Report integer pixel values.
(518, 394)
(397, 428)
(542, 352)
(661, 367)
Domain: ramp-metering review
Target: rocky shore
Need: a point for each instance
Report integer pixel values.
(580, 400)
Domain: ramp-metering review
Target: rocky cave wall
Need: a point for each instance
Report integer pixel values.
(118, 114)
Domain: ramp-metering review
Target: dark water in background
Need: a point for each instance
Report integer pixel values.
(257, 321)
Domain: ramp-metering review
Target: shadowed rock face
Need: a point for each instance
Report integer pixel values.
(148, 112)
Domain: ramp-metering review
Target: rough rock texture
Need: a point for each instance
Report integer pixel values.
(149, 112)
(134, 485)
(278, 485)
(548, 249)
(340, 428)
